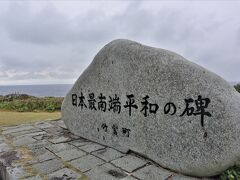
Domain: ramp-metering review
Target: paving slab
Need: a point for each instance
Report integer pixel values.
(34, 178)
(60, 147)
(19, 133)
(108, 154)
(43, 125)
(5, 147)
(71, 135)
(23, 140)
(106, 172)
(152, 172)
(59, 139)
(43, 136)
(62, 124)
(91, 147)
(32, 134)
(71, 154)
(129, 163)
(2, 139)
(38, 147)
(54, 122)
(18, 128)
(45, 156)
(129, 178)
(47, 167)
(58, 131)
(26, 138)
(5, 128)
(79, 142)
(8, 158)
(59, 123)
(86, 163)
(16, 173)
(181, 177)
(64, 174)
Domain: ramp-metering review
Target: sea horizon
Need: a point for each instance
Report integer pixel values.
(35, 84)
(43, 90)
(39, 90)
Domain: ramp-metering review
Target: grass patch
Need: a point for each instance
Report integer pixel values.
(8, 118)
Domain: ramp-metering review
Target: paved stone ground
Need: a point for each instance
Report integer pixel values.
(47, 150)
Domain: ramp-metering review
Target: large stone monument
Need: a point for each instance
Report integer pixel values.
(155, 102)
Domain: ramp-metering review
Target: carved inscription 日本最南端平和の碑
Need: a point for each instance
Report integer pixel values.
(100, 102)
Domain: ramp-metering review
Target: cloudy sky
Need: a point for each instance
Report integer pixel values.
(52, 42)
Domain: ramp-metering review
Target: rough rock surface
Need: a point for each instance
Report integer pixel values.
(155, 102)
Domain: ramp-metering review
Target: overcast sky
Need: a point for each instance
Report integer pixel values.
(52, 42)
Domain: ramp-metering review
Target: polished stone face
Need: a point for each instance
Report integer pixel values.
(155, 102)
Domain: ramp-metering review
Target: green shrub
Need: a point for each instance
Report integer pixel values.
(237, 87)
(231, 174)
(50, 108)
(26, 103)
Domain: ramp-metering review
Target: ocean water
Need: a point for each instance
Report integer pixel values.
(56, 90)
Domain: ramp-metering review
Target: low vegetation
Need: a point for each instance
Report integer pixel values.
(231, 174)
(237, 87)
(26, 103)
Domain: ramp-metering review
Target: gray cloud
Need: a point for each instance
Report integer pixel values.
(51, 27)
(43, 44)
(22, 64)
(44, 27)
